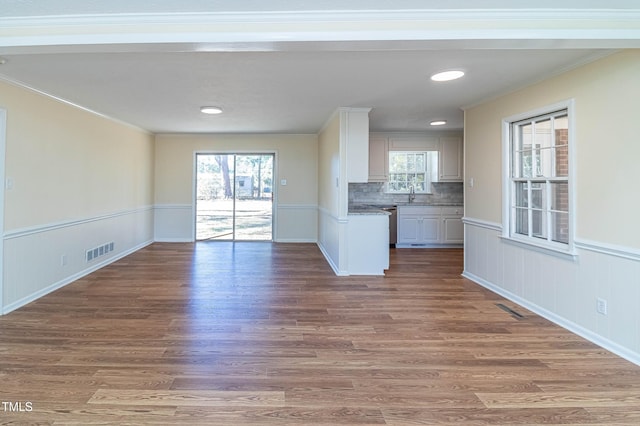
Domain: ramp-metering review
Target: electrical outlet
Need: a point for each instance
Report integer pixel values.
(601, 306)
(63, 260)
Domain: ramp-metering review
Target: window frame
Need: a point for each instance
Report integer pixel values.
(509, 182)
(427, 172)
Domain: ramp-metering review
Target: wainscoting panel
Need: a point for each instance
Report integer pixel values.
(330, 232)
(296, 223)
(174, 223)
(42, 259)
(565, 291)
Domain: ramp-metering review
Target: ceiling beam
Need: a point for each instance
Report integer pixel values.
(253, 31)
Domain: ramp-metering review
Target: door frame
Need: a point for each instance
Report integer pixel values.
(3, 150)
(274, 187)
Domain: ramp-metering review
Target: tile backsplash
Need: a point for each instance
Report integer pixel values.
(444, 193)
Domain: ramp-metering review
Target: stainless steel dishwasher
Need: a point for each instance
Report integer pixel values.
(393, 225)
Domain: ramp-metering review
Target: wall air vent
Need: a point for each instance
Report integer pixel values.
(510, 311)
(101, 250)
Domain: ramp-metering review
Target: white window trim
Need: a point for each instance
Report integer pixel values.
(429, 174)
(563, 250)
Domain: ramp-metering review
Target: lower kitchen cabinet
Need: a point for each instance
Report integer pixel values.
(429, 226)
(418, 225)
(452, 226)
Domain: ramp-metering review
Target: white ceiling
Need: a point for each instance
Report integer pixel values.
(286, 71)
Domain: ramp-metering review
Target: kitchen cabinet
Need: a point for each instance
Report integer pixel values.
(429, 226)
(449, 148)
(378, 158)
(452, 226)
(450, 159)
(418, 225)
(412, 142)
(368, 244)
(354, 124)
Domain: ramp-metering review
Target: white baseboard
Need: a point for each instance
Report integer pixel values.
(68, 280)
(173, 240)
(330, 261)
(556, 319)
(426, 246)
(296, 240)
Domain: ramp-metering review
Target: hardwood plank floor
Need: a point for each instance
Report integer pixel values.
(261, 333)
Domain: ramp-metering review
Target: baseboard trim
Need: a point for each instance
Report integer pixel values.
(296, 240)
(428, 246)
(558, 320)
(330, 261)
(68, 280)
(173, 240)
(188, 240)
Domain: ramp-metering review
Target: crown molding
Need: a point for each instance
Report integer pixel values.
(477, 15)
(348, 25)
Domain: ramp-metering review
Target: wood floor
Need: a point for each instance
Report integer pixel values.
(261, 333)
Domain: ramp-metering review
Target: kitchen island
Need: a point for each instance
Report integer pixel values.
(368, 240)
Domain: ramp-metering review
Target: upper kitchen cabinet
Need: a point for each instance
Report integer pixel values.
(354, 129)
(380, 144)
(378, 158)
(449, 148)
(450, 159)
(413, 142)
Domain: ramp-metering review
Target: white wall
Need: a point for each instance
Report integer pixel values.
(296, 204)
(77, 181)
(330, 219)
(607, 228)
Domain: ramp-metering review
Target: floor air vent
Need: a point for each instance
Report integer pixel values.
(510, 311)
(99, 251)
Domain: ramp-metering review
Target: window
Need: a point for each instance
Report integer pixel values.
(538, 180)
(411, 169)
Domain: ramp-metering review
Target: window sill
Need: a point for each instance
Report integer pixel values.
(567, 254)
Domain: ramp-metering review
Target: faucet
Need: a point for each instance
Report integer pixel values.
(412, 194)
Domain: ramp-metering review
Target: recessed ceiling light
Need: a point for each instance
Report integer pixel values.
(3, 60)
(211, 110)
(447, 75)
(438, 122)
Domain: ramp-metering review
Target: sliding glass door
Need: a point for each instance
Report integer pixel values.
(234, 198)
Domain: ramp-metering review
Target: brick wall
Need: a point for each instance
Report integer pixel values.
(561, 225)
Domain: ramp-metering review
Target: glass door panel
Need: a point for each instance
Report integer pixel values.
(214, 197)
(253, 197)
(234, 199)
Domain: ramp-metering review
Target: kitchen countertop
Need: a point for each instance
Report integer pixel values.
(430, 204)
(378, 208)
(367, 209)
